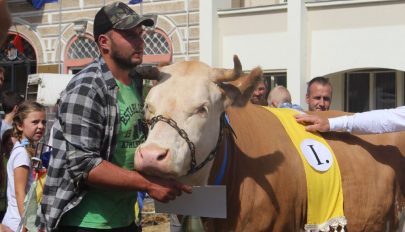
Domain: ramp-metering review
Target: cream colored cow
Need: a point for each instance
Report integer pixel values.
(264, 176)
(195, 108)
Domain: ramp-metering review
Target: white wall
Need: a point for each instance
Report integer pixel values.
(340, 36)
(258, 39)
(356, 35)
(374, 47)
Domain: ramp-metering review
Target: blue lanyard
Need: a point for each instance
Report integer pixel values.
(218, 179)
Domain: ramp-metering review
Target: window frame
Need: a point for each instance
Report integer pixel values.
(372, 96)
(73, 64)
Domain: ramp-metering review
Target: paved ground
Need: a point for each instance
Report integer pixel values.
(154, 222)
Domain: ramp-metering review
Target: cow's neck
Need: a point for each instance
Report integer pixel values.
(201, 176)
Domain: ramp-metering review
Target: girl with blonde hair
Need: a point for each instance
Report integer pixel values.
(28, 127)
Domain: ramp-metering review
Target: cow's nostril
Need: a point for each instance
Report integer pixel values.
(161, 157)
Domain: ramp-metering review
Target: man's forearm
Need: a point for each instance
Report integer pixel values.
(371, 122)
(108, 175)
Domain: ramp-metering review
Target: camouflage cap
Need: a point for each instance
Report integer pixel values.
(120, 16)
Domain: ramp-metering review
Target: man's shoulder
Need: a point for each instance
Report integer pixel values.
(95, 75)
(88, 74)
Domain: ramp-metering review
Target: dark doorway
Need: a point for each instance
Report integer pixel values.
(18, 58)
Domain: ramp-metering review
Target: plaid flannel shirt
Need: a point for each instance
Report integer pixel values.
(84, 135)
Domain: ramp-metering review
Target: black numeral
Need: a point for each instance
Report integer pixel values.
(316, 155)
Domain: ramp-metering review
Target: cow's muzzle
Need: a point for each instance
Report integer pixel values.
(193, 163)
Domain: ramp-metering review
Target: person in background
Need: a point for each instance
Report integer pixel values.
(319, 94)
(10, 101)
(280, 97)
(370, 122)
(5, 21)
(6, 145)
(2, 73)
(91, 184)
(259, 94)
(28, 127)
(5, 24)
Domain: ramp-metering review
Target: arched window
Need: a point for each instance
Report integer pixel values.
(80, 52)
(158, 47)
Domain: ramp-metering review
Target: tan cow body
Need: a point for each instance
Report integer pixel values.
(266, 186)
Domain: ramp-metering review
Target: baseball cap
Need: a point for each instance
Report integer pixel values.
(118, 15)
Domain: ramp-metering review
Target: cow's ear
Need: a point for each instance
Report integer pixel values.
(162, 64)
(147, 72)
(239, 92)
(220, 75)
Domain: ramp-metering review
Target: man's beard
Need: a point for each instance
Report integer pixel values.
(121, 61)
(258, 101)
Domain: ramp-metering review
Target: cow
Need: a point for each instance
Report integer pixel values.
(264, 175)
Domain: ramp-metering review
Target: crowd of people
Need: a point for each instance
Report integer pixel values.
(319, 98)
(318, 95)
(92, 159)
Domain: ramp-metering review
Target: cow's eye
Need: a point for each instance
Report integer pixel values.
(202, 110)
(148, 109)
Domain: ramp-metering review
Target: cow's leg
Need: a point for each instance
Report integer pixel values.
(401, 220)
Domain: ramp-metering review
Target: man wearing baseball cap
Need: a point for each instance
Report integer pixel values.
(91, 183)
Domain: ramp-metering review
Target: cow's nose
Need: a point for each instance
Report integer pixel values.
(153, 153)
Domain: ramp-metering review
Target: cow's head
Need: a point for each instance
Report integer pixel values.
(184, 110)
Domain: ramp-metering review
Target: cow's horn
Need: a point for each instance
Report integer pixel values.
(146, 72)
(226, 75)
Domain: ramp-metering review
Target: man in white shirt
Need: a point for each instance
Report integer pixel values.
(370, 122)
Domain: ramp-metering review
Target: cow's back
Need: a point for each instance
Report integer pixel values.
(266, 186)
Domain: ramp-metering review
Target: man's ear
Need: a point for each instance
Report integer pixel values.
(104, 42)
(307, 98)
(273, 103)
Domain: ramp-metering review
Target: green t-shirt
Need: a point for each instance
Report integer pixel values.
(107, 208)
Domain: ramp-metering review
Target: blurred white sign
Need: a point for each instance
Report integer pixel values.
(205, 201)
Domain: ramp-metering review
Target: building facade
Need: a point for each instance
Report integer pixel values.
(58, 38)
(356, 43)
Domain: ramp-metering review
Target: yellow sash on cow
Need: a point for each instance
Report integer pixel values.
(324, 185)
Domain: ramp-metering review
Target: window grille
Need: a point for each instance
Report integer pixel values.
(155, 43)
(82, 48)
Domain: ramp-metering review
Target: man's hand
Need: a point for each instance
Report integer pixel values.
(313, 123)
(165, 190)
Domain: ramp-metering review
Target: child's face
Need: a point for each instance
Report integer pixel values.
(33, 126)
